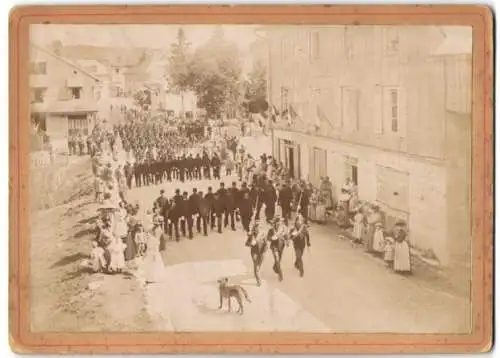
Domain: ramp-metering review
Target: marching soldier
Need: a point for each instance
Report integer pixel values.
(285, 202)
(219, 208)
(204, 213)
(184, 213)
(210, 199)
(269, 196)
(300, 238)
(193, 210)
(206, 165)
(230, 206)
(246, 211)
(129, 173)
(216, 163)
(198, 167)
(176, 213)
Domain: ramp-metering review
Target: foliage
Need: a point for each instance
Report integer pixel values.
(142, 98)
(180, 75)
(256, 89)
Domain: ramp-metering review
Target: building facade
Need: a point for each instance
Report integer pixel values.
(62, 97)
(370, 103)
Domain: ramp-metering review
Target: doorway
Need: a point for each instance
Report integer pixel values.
(354, 174)
(291, 162)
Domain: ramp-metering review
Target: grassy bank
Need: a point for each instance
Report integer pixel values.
(64, 296)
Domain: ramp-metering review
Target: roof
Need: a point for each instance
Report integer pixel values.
(457, 41)
(64, 107)
(66, 61)
(101, 69)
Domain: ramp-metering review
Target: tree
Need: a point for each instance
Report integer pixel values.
(255, 98)
(179, 72)
(217, 73)
(143, 98)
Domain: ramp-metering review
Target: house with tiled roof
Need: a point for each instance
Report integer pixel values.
(62, 96)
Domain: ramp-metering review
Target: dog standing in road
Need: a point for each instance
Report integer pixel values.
(229, 291)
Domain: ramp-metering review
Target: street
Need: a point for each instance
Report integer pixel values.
(344, 289)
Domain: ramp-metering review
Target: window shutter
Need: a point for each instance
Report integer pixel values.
(378, 110)
(402, 111)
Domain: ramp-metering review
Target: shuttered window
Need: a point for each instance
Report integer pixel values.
(318, 165)
(350, 109)
(394, 111)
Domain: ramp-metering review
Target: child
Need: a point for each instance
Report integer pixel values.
(141, 240)
(97, 260)
(389, 251)
(378, 240)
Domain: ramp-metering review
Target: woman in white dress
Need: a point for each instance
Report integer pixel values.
(378, 239)
(402, 254)
(358, 227)
(117, 255)
(153, 264)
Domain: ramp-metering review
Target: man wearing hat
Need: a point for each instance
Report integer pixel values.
(300, 238)
(246, 210)
(285, 201)
(257, 241)
(219, 208)
(269, 196)
(193, 210)
(231, 205)
(162, 205)
(204, 213)
(277, 237)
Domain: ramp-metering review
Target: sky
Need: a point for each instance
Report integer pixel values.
(152, 36)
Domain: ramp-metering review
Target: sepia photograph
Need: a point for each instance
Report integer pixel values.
(272, 178)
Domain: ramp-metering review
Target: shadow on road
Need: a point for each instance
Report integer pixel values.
(88, 220)
(215, 311)
(69, 260)
(77, 273)
(85, 232)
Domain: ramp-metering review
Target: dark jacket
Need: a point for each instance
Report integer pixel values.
(285, 196)
(204, 206)
(245, 207)
(194, 204)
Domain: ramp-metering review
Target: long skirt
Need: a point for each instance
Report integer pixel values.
(131, 249)
(402, 257)
(369, 237)
(154, 267)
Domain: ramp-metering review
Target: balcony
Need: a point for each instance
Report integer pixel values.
(39, 81)
(70, 106)
(76, 81)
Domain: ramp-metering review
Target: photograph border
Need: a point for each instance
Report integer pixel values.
(479, 339)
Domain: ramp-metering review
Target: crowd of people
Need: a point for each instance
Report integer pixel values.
(364, 222)
(264, 202)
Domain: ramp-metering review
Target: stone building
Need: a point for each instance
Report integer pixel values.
(372, 103)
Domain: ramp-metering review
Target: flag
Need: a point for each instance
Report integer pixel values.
(322, 117)
(274, 113)
(291, 115)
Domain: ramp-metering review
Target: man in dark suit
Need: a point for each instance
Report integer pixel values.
(219, 208)
(210, 199)
(204, 213)
(246, 211)
(284, 201)
(193, 209)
